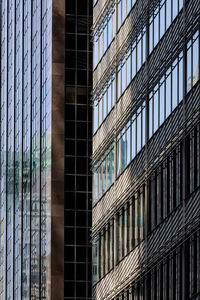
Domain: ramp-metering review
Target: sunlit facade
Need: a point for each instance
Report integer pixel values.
(146, 141)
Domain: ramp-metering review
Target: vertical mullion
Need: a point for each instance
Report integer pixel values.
(31, 148)
(6, 216)
(22, 196)
(14, 150)
(40, 199)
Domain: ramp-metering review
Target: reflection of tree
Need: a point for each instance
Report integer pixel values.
(196, 77)
(193, 80)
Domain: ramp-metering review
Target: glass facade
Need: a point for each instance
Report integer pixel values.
(25, 159)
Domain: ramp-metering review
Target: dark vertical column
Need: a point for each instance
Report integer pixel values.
(57, 199)
(78, 149)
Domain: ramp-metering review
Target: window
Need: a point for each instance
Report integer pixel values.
(174, 84)
(118, 155)
(103, 37)
(168, 92)
(195, 63)
(168, 13)
(95, 184)
(155, 110)
(128, 143)
(109, 169)
(180, 83)
(119, 13)
(109, 97)
(95, 260)
(189, 73)
(123, 150)
(95, 116)
(133, 131)
(162, 101)
(103, 174)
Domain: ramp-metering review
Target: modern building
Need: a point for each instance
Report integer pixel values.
(146, 150)
(45, 149)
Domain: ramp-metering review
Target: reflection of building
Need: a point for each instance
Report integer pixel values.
(45, 149)
(146, 212)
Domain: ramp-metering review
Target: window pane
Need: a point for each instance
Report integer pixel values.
(95, 182)
(144, 47)
(95, 260)
(174, 87)
(181, 78)
(175, 8)
(143, 125)
(100, 180)
(133, 137)
(104, 105)
(128, 143)
(134, 62)
(188, 82)
(168, 95)
(128, 6)
(109, 97)
(168, 13)
(119, 14)
(151, 35)
(180, 4)
(113, 92)
(139, 127)
(105, 37)
(139, 47)
(113, 163)
(162, 103)
(123, 145)
(156, 30)
(133, 2)
(109, 31)
(128, 69)
(119, 83)
(123, 77)
(113, 23)
(150, 118)
(118, 155)
(109, 169)
(100, 111)
(95, 116)
(162, 20)
(95, 50)
(123, 10)
(156, 110)
(104, 174)
(195, 61)
(100, 46)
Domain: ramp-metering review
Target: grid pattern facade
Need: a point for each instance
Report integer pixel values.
(146, 141)
(78, 150)
(25, 155)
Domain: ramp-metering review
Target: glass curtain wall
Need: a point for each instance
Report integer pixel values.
(25, 158)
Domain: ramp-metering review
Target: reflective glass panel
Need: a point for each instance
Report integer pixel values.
(174, 86)
(168, 94)
(195, 61)
(188, 78)
(128, 143)
(156, 109)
